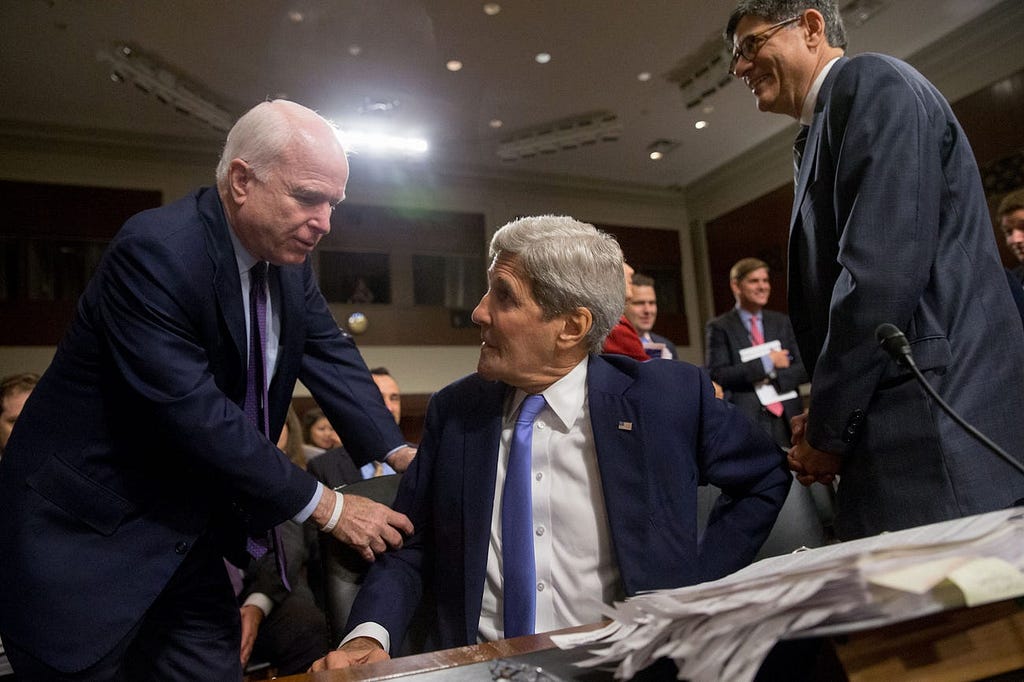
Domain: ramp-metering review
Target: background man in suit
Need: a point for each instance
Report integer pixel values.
(140, 461)
(889, 224)
(1011, 221)
(335, 467)
(618, 449)
(727, 334)
(14, 392)
(806, 512)
(642, 311)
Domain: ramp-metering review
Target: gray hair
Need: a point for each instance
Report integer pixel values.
(780, 10)
(569, 264)
(262, 136)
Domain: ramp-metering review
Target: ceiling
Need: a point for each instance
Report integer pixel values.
(242, 51)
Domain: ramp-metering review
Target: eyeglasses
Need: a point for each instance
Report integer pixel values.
(751, 45)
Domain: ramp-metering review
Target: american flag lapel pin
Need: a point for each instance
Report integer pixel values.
(625, 426)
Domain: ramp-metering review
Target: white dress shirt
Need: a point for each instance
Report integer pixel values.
(576, 572)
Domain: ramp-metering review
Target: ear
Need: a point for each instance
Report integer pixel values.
(814, 28)
(735, 286)
(575, 327)
(240, 179)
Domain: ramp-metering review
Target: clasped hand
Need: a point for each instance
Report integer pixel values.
(809, 463)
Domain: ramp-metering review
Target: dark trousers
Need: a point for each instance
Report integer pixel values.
(191, 632)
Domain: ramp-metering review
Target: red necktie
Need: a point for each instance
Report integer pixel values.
(758, 338)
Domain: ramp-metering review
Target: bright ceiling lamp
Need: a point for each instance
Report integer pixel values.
(362, 142)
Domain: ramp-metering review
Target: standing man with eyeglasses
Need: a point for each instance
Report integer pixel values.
(889, 224)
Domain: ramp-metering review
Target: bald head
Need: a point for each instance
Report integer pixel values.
(280, 176)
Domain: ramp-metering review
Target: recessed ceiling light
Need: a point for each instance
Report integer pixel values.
(700, 125)
(495, 123)
(644, 76)
(491, 8)
(354, 50)
(296, 16)
(453, 65)
(543, 58)
(659, 149)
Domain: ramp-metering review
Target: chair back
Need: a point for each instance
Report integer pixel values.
(343, 567)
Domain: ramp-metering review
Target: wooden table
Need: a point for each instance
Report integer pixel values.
(964, 644)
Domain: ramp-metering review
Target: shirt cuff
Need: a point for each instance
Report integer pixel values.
(307, 511)
(260, 601)
(373, 631)
(387, 456)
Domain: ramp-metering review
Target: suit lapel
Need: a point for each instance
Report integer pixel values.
(479, 452)
(739, 332)
(619, 438)
(814, 136)
(226, 282)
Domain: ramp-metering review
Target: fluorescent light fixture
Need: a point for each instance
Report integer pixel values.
(363, 142)
(563, 135)
(157, 80)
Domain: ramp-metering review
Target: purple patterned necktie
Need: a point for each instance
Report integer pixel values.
(256, 398)
(256, 383)
(518, 566)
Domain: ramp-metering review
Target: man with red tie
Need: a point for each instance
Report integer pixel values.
(750, 324)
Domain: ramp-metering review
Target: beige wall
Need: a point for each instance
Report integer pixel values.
(174, 168)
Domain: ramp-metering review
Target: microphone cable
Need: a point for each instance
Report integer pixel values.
(895, 343)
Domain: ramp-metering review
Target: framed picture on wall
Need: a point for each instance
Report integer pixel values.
(355, 277)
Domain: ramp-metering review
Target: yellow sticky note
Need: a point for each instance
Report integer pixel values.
(987, 580)
(921, 577)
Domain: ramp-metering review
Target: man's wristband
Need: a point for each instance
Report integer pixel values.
(339, 502)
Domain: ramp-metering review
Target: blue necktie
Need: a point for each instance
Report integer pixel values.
(518, 566)
(256, 408)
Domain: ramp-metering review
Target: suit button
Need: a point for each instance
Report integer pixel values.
(182, 547)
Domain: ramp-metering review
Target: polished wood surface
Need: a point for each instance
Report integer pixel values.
(964, 644)
(440, 660)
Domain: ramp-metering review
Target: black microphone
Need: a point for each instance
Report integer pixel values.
(893, 342)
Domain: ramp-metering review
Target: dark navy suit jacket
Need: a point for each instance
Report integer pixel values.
(681, 437)
(133, 443)
(890, 224)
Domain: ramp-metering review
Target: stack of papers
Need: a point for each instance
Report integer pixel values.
(724, 629)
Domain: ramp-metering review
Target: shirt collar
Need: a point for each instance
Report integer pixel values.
(564, 397)
(746, 315)
(243, 258)
(807, 113)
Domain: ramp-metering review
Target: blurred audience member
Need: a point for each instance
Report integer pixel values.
(14, 391)
(642, 311)
(335, 467)
(623, 338)
(1011, 221)
(749, 324)
(317, 433)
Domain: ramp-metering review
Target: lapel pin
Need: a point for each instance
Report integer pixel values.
(625, 426)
